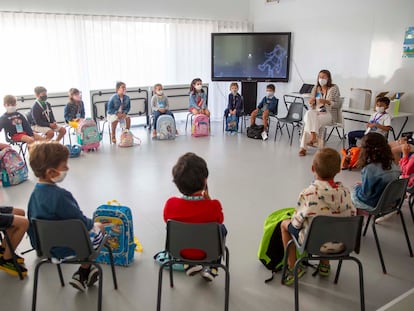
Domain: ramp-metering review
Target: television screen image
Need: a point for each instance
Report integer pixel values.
(250, 56)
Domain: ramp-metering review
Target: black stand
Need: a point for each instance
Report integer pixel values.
(249, 93)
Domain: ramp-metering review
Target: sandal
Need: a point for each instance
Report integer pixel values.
(313, 144)
(113, 140)
(324, 269)
(302, 152)
(289, 278)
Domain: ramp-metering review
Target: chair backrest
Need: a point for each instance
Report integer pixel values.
(336, 112)
(360, 98)
(392, 197)
(205, 237)
(70, 233)
(295, 111)
(325, 230)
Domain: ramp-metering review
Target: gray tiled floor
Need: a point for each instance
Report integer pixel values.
(251, 178)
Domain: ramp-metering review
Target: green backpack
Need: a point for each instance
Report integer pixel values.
(271, 250)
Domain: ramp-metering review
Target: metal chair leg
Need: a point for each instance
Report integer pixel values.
(379, 248)
(100, 282)
(59, 268)
(407, 238)
(111, 258)
(338, 271)
(14, 258)
(35, 284)
(366, 225)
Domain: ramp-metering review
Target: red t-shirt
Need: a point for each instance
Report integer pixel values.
(193, 211)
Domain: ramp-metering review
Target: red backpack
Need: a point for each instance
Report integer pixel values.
(350, 158)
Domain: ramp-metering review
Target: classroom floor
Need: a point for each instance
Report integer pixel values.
(251, 178)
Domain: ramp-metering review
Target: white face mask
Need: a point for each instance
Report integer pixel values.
(269, 94)
(234, 92)
(379, 109)
(160, 92)
(11, 109)
(198, 87)
(60, 177)
(323, 82)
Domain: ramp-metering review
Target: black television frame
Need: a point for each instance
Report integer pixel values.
(251, 79)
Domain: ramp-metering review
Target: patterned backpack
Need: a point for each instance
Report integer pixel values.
(13, 168)
(165, 127)
(88, 134)
(200, 126)
(127, 139)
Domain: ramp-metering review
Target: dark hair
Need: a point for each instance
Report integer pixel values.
(328, 73)
(119, 84)
(73, 91)
(271, 86)
(327, 163)
(190, 173)
(375, 149)
(192, 88)
(385, 100)
(39, 89)
(44, 156)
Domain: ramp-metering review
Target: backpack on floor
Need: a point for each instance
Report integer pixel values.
(74, 151)
(165, 127)
(271, 250)
(88, 134)
(13, 168)
(118, 224)
(127, 139)
(231, 123)
(200, 126)
(255, 131)
(350, 158)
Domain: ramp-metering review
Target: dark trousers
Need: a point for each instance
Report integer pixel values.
(352, 137)
(156, 114)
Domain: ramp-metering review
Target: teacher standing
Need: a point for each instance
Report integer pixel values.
(324, 95)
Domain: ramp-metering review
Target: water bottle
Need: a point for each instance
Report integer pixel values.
(397, 103)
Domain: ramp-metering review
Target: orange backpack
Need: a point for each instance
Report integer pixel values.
(350, 158)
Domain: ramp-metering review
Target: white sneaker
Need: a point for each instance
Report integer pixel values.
(264, 135)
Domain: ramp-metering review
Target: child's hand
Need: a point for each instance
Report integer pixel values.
(406, 148)
(53, 125)
(371, 125)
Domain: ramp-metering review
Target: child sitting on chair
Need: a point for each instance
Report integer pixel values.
(323, 197)
(159, 104)
(74, 109)
(49, 162)
(268, 103)
(43, 119)
(13, 220)
(379, 122)
(234, 108)
(190, 175)
(118, 107)
(15, 124)
(198, 98)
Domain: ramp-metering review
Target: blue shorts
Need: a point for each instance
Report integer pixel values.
(293, 231)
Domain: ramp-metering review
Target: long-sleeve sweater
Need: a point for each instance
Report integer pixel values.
(332, 95)
(407, 168)
(321, 198)
(72, 109)
(42, 114)
(8, 122)
(159, 102)
(50, 202)
(115, 102)
(235, 102)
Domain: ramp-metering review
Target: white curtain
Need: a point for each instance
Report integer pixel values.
(93, 52)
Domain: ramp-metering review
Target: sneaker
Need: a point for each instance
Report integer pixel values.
(20, 259)
(209, 274)
(289, 278)
(324, 269)
(192, 270)
(78, 281)
(8, 266)
(93, 276)
(264, 135)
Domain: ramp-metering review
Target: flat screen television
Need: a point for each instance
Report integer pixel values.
(253, 56)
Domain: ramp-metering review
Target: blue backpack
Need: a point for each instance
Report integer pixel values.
(118, 224)
(232, 123)
(165, 127)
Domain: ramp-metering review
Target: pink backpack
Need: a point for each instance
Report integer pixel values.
(127, 139)
(200, 126)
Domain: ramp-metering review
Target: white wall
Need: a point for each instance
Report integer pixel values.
(360, 42)
(212, 9)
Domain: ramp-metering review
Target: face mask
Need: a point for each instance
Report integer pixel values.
(11, 109)
(379, 109)
(234, 92)
(160, 92)
(198, 87)
(269, 94)
(43, 98)
(323, 82)
(60, 177)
